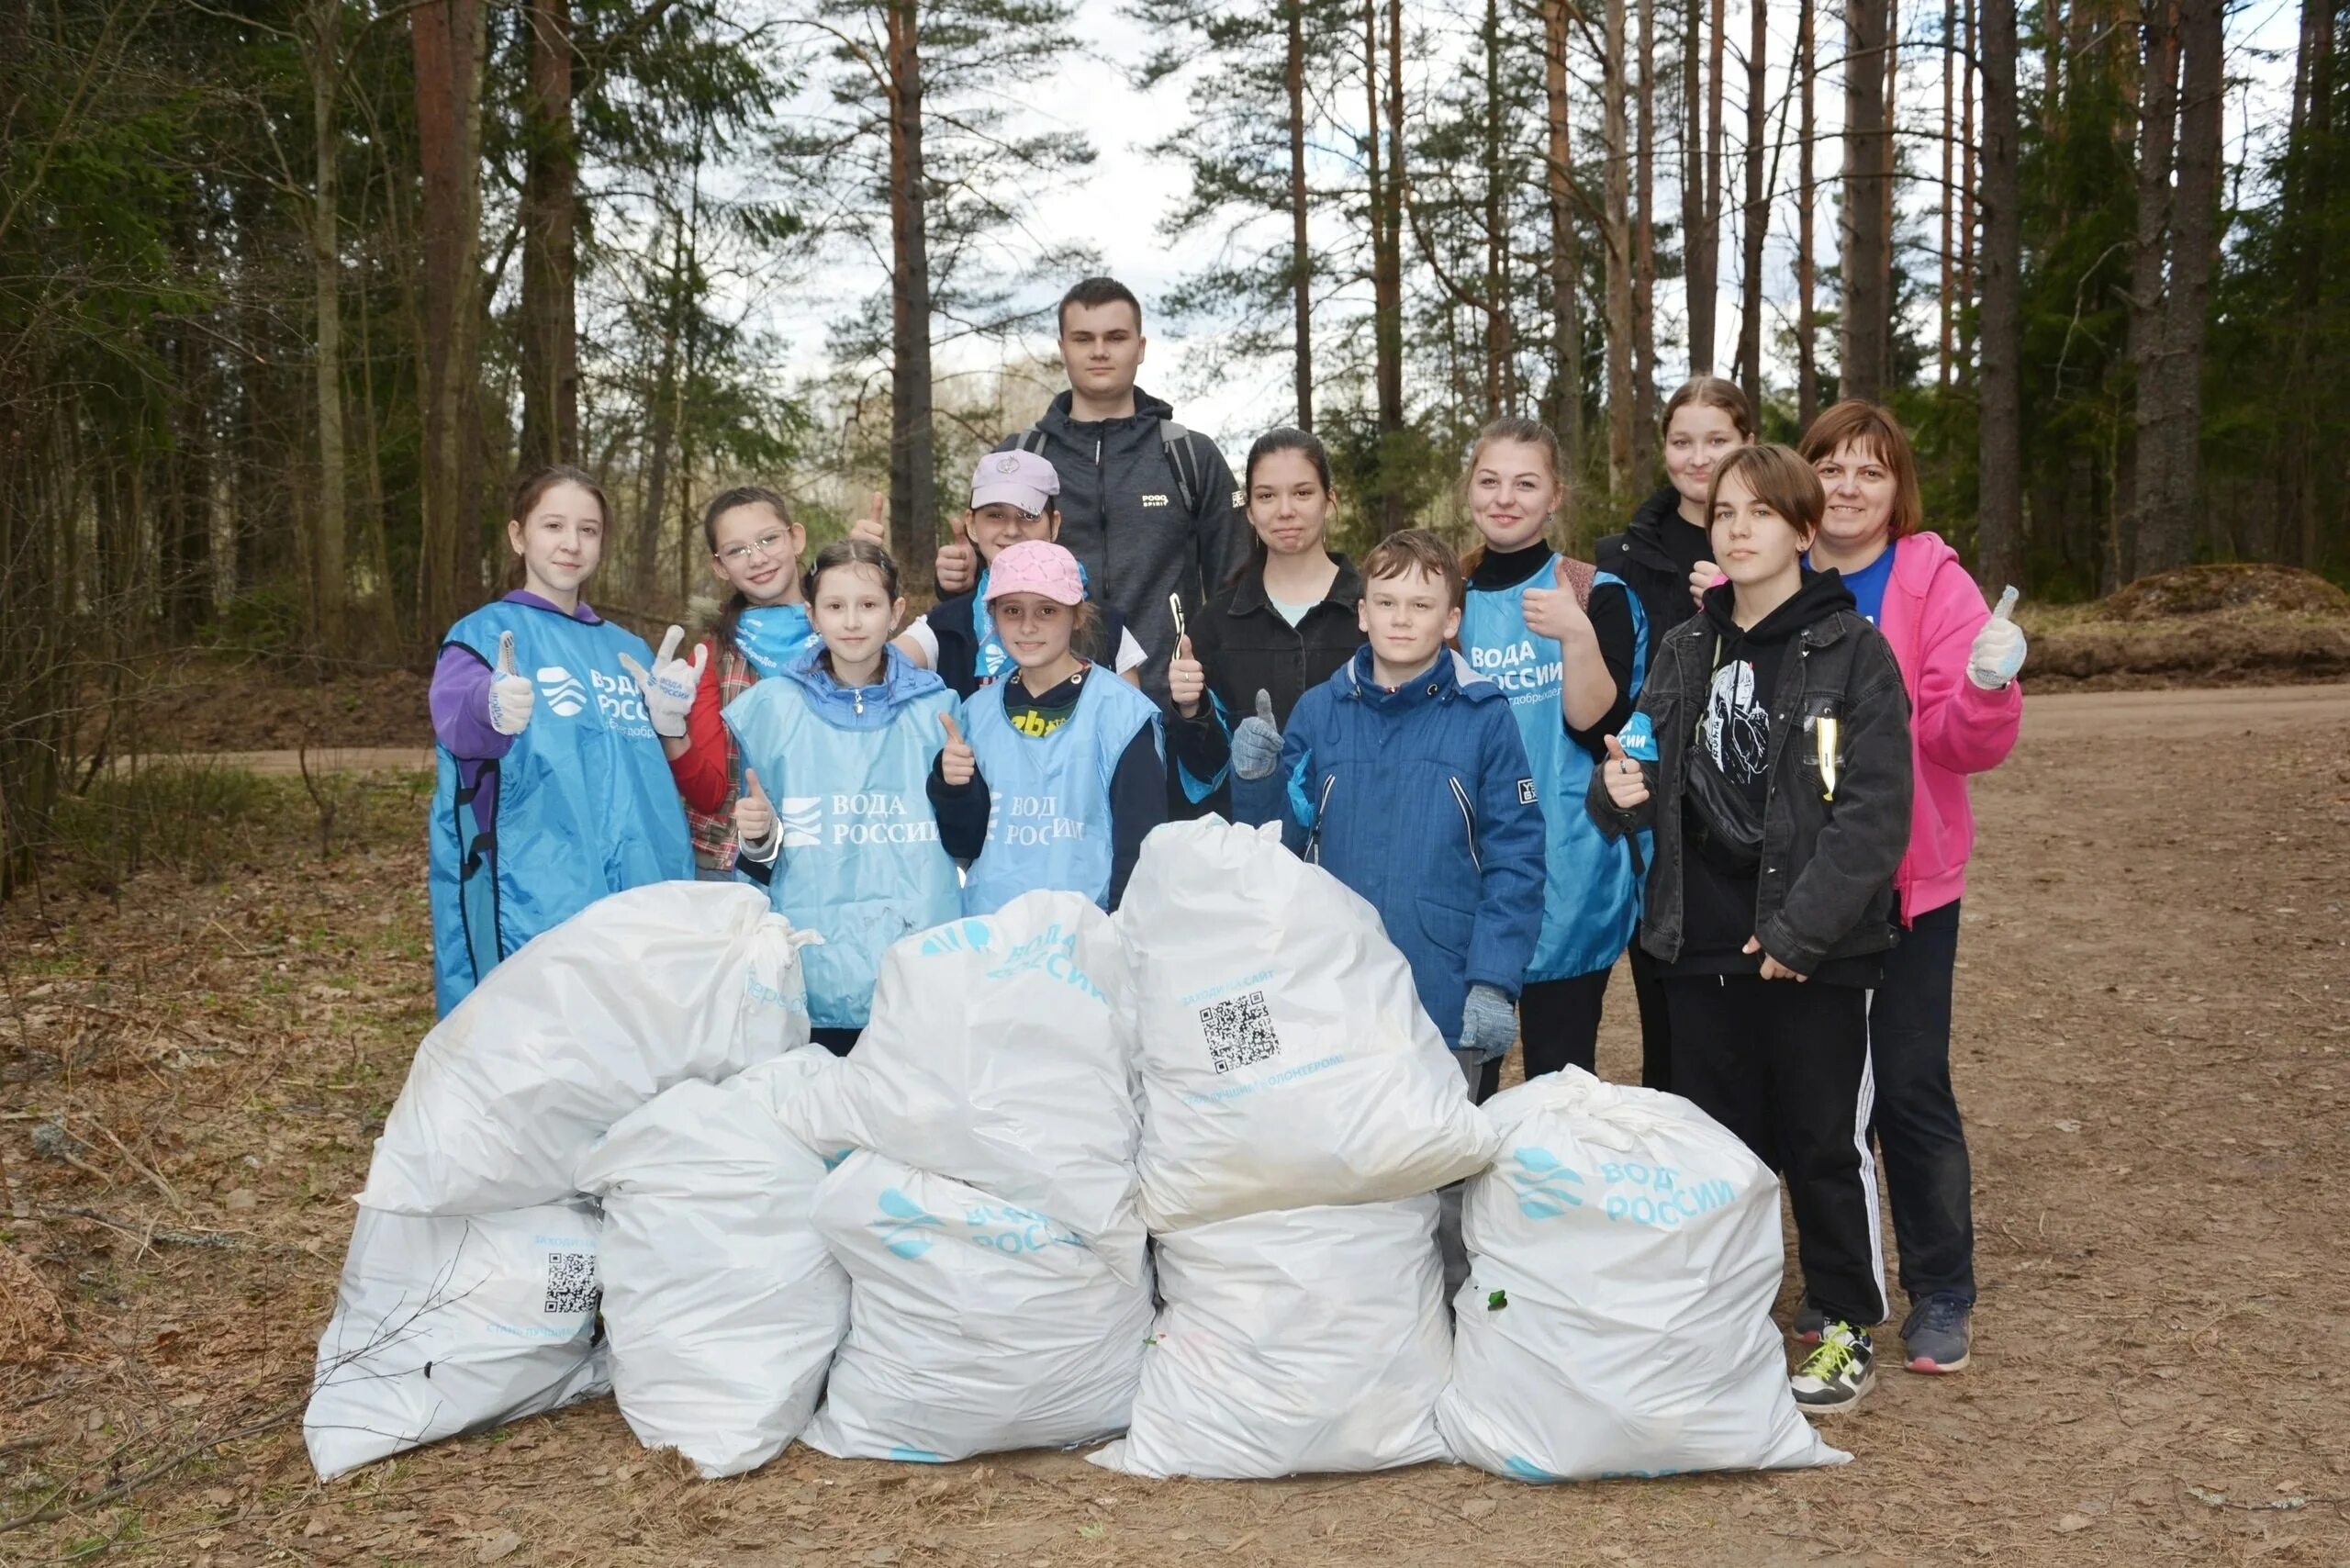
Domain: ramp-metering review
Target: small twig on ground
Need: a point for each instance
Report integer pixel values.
(149, 1236)
(160, 1468)
(170, 1192)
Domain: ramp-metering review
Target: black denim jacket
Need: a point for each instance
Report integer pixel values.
(1825, 888)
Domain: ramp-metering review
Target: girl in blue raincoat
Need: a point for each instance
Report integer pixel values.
(832, 814)
(552, 788)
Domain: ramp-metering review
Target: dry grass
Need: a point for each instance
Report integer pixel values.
(2153, 1046)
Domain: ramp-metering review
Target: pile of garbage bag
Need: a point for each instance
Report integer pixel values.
(1168, 1179)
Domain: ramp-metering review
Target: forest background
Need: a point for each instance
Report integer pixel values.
(291, 290)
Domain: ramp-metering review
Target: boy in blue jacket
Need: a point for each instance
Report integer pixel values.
(1408, 781)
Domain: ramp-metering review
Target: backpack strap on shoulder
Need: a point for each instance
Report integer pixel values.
(1578, 575)
(1185, 461)
(1032, 439)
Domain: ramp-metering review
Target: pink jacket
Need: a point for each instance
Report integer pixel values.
(1932, 611)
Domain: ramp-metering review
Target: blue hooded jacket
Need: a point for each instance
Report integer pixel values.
(1421, 799)
(860, 861)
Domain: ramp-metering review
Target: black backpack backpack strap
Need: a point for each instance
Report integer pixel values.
(1031, 440)
(1184, 459)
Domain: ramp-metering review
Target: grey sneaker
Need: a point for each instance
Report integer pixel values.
(1939, 1334)
(1835, 1375)
(1808, 1322)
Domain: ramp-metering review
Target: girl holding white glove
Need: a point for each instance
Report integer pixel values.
(553, 789)
(1959, 662)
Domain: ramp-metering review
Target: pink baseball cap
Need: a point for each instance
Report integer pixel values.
(1035, 565)
(1021, 478)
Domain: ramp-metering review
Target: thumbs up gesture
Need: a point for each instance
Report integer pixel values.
(668, 687)
(957, 567)
(874, 527)
(1999, 648)
(1256, 740)
(1628, 785)
(511, 696)
(957, 765)
(1187, 680)
(754, 817)
(1553, 612)
(1704, 575)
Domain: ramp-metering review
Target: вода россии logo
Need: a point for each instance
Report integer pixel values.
(562, 690)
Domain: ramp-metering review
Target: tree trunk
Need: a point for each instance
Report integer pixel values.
(1709, 237)
(662, 413)
(1301, 256)
(1697, 293)
(1566, 249)
(448, 40)
(2306, 191)
(329, 573)
(1806, 199)
(1999, 439)
(913, 480)
(550, 331)
(2170, 421)
(1865, 328)
(1386, 209)
(1949, 305)
(2157, 137)
(1501, 388)
(1616, 229)
(1644, 436)
(1758, 211)
(1966, 182)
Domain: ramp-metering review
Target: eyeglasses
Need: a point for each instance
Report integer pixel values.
(765, 545)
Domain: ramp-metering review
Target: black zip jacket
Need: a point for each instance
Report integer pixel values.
(1654, 556)
(1246, 647)
(1824, 890)
(1121, 514)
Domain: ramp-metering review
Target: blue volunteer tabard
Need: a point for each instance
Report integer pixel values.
(585, 805)
(860, 863)
(1592, 900)
(1048, 823)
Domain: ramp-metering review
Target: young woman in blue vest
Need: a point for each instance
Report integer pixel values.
(553, 789)
(1062, 772)
(1567, 644)
(833, 815)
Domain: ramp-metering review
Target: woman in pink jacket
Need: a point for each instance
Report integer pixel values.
(1959, 662)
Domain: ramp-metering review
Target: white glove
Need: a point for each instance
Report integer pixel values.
(669, 688)
(511, 696)
(1999, 648)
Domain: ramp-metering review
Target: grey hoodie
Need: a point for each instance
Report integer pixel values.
(1123, 518)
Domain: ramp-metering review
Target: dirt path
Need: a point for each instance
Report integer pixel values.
(2153, 1046)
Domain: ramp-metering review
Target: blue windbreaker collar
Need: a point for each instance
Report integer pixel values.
(1450, 676)
(862, 708)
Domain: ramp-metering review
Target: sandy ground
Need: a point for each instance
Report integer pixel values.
(2153, 1048)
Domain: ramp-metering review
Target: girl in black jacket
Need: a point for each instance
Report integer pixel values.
(1704, 421)
(1283, 624)
(1770, 756)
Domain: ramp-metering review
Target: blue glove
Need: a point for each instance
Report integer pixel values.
(1257, 742)
(1488, 1023)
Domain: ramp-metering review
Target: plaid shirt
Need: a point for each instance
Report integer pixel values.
(713, 834)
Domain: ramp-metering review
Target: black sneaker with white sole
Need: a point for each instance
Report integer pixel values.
(1938, 1335)
(1838, 1373)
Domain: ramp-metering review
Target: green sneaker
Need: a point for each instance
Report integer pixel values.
(1834, 1376)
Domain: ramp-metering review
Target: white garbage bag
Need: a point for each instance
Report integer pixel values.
(974, 1324)
(722, 1303)
(1001, 1053)
(1286, 1060)
(1623, 1255)
(1295, 1342)
(451, 1325)
(637, 992)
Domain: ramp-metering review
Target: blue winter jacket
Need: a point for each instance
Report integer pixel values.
(1421, 799)
(860, 860)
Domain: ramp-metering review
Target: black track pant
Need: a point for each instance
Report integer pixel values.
(1558, 1022)
(840, 1042)
(1785, 1067)
(1656, 1024)
(1917, 1126)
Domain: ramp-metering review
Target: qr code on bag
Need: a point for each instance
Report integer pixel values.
(1239, 1032)
(572, 1284)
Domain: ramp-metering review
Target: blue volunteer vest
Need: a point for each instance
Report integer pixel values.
(1591, 897)
(584, 803)
(1048, 823)
(861, 863)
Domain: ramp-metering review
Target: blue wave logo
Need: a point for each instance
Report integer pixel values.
(1543, 1183)
(902, 1223)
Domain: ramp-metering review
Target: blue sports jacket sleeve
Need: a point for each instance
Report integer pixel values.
(1509, 853)
(1297, 773)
